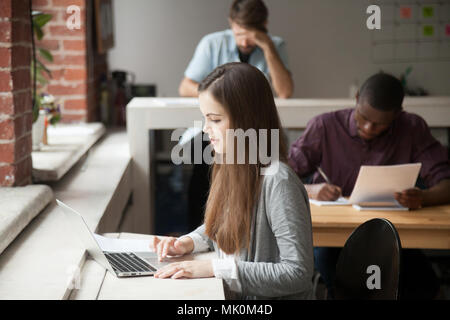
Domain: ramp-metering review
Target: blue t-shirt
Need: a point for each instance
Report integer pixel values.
(220, 47)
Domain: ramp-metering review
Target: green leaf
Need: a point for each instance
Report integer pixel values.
(38, 31)
(41, 79)
(36, 107)
(42, 19)
(54, 119)
(42, 68)
(46, 54)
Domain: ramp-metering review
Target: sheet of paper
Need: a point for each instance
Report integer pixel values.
(122, 245)
(341, 201)
(379, 183)
(393, 208)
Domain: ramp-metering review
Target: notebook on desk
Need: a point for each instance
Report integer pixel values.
(339, 202)
(379, 207)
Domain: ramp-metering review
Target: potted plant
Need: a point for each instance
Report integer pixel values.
(43, 104)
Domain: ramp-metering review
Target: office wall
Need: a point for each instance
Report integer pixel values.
(328, 43)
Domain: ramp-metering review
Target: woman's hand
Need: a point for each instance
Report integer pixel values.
(187, 269)
(172, 246)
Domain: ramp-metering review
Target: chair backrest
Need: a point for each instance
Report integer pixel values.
(368, 267)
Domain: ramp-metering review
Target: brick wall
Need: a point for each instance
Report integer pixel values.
(74, 77)
(15, 93)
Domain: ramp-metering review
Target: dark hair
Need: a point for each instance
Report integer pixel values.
(249, 14)
(383, 92)
(246, 96)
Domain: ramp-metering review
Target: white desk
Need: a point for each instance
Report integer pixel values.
(96, 283)
(144, 114)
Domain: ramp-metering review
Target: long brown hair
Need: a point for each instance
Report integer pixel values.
(246, 96)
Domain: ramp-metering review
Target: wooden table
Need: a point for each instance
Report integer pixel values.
(426, 228)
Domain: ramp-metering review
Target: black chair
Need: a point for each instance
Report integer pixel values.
(371, 253)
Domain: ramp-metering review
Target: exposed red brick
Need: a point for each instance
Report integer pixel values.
(21, 31)
(57, 74)
(5, 9)
(75, 74)
(21, 79)
(75, 45)
(63, 31)
(69, 118)
(20, 9)
(7, 129)
(5, 57)
(22, 102)
(62, 89)
(23, 172)
(6, 104)
(7, 152)
(21, 56)
(5, 81)
(5, 31)
(75, 104)
(48, 44)
(15, 128)
(68, 60)
(66, 3)
(22, 147)
(7, 175)
(40, 4)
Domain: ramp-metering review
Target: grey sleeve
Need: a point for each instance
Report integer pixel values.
(201, 232)
(289, 218)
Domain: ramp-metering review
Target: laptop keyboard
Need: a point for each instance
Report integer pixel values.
(127, 262)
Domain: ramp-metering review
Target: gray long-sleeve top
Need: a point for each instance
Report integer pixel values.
(279, 262)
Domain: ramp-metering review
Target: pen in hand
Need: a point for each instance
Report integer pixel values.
(327, 180)
(327, 192)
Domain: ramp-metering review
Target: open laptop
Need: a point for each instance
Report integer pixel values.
(122, 264)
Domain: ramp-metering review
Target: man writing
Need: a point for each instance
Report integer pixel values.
(246, 41)
(376, 132)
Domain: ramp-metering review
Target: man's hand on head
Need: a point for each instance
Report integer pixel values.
(260, 38)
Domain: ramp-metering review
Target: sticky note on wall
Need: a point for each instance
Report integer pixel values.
(405, 12)
(428, 31)
(427, 12)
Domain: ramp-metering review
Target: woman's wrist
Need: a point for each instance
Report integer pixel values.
(187, 243)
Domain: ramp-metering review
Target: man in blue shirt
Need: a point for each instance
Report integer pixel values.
(246, 41)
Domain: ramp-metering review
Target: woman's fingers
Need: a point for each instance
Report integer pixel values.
(154, 244)
(167, 271)
(179, 274)
(166, 247)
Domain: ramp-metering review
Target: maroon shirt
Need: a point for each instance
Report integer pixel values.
(331, 141)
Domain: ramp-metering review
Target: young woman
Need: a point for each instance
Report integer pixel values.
(259, 224)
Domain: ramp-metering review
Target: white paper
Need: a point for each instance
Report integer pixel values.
(123, 245)
(341, 201)
(393, 208)
(377, 184)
